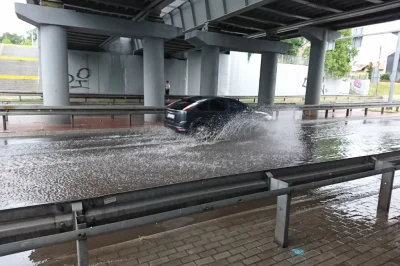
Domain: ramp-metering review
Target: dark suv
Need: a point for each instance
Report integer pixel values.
(191, 113)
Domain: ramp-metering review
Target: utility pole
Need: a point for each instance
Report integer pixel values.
(393, 76)
(379, 76)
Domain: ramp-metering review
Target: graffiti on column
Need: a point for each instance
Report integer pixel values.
(81, 80)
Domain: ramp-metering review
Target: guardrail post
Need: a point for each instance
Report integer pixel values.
(347, 112)
(4, 123)
(382, 110)
(276, 114)
(81, 244)
(112, 116)
(72, 121)
(282, 211)
(385, 192)
(397, 109)
(326, 113)
(130, 119)
(366, 112)
(20, 98)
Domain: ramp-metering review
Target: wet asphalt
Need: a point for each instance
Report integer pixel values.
(40, 170)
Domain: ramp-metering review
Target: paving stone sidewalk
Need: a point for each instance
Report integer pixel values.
(339, 233)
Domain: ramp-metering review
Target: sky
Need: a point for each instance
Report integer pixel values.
(369, 52)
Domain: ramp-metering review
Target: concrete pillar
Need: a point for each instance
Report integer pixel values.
(318, 38)
(54, 65)
(53, 54)
(209, 70)
(153, 71)
(266, 90)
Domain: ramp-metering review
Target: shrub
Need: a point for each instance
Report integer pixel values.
(385, 76)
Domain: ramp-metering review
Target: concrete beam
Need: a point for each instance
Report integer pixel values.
(319, 34)
(194, 14)
(234, 43)
(94, 24)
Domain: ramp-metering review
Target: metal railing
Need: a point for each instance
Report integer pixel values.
(115, 97)
(97, 110)
(27, 228)
(72, 111)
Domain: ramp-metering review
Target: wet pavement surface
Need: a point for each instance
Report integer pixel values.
(39, 170)
(334, 225)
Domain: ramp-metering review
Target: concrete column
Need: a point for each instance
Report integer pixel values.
(318, 38)
(209, 70)
(53, 54)
(315, 72)
(153, 71)
(54, 65)
(266, 90)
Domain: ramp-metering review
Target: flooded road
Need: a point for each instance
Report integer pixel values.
(39, 170)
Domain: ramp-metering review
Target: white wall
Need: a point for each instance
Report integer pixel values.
(118, 74)
(238, 76)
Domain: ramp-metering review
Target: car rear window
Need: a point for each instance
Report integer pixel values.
(180, 105)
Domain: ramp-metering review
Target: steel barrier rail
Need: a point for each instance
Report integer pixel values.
(73, 110)
(27, 228)
(114, 97)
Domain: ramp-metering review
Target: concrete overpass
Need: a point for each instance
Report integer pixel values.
(167, 28)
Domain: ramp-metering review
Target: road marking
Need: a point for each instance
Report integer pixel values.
(1, 48)
(18, 58)
(13, 77)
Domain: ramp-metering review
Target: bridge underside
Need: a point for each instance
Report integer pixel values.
(272, 19)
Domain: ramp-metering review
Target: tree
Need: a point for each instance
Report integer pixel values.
(297, 43)
(370, 69)
(12, 37)
(338, 62)
(26, 42)
(31, 34)
(6, 41)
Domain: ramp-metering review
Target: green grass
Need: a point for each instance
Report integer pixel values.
(383, 88)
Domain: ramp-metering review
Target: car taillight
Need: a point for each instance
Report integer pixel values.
(190, 106)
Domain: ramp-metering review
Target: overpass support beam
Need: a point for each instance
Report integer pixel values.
(266, 90)
(153, 71)
(319, 39)
(54, 68)
(209, 70)
(212, 42)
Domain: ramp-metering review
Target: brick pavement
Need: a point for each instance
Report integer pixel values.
(345, 232)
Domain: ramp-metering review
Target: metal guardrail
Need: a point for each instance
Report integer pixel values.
(72, 111)
(27, 228)
(140, 98)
